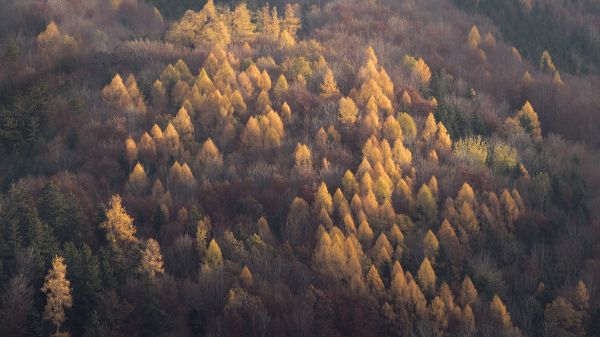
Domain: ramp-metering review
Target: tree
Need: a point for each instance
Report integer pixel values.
(383, 189)
(365, 233)
(152, 261)
(323, 200)
(427, 205)
(430, 245)
(269, 23)
(138, 180)
(281, 86)
(392, 129)
(348, 111)
(183, 125)
(474, 38)
(291, 23)
(213, 257)
(58, 293)
(15, 305)
(264, 81)
(246, 277)
(243, 29)
(375, 281)
(252, 134)
(468, 293)
(50, 36)
(116, 95)
(529, 121)
(561, 319)
(120, 231)
(349, 184)
(471, 151)
(131, 151)
(426, 276)
(85, 276)
(582, 296)
(499, 312)
(137, 99)
(329, 86)
(409, 128)
(546, 63)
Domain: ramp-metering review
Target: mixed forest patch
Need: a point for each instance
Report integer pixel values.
(345, 168)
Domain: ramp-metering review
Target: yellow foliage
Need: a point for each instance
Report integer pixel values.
(426, 276)
(329, 86)
(474, 38)
(152, 260)
(58, 293)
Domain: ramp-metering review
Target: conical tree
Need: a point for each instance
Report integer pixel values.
(329, 86)
(152, 260)
(120, 231)
(58, 293)
(213, 257)
(243, 29)
(426, 276)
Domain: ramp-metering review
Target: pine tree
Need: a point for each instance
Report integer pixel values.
(58, 293)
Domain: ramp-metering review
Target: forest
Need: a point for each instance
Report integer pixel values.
(413, 168)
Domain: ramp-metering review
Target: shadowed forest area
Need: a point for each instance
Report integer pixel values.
(311, 168)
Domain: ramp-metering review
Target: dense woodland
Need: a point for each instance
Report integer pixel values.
(322, 168)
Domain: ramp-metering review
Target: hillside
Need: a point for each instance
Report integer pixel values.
(344, 168)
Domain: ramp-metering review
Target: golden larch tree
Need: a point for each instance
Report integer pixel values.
(120, 231)
(426, 276)
(116, 95)
(58, 293)
(329, 86)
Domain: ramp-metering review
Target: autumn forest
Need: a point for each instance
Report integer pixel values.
(314, 168)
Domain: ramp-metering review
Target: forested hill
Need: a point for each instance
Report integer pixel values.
(325, 168)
